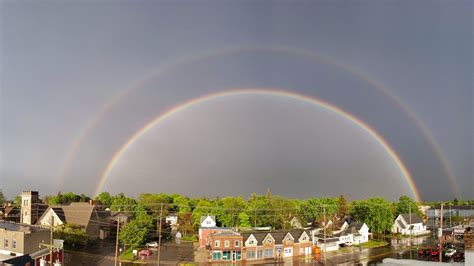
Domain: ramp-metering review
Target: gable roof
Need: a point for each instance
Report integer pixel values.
(414, 218)
(78, 213)
(401, 225)
(205, 217)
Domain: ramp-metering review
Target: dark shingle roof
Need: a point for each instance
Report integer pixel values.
(414, 218)
(401, 225)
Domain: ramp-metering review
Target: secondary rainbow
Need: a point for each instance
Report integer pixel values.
(95, 120)
(256, 91)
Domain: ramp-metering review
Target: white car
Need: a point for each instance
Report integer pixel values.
(450, 252)
(153, 244)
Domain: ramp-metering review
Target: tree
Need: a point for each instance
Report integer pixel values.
(2, 197)
(258, 209)
(203, 207)
(244, 221)
(133, 234)
(375, 212)
(228, 210)
(105, 199)
(122, 203)
(17, 201)
(342, 207)
(316, 208)
(72, 234)
(406, 205)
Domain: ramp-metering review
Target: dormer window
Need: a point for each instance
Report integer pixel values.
(269, 241)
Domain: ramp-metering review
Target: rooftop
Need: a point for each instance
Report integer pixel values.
(26, 228)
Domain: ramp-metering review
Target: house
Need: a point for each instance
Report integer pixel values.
(225, 246)
(355, 233)
(120, 217)
(469, 244)
(83, 214)
(10, 213)
(209, 226)
(279, 244)
(21, 244)
(259, 245)
(434, 214)
(325, 242)
(31, 207)
(407, 224)
(172, 220)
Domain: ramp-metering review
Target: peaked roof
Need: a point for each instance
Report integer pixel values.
(78, 213)
(278, 235)
(205, 217)
(414, 218)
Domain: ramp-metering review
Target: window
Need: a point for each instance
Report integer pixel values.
(236, 243)
(269, 241)
(260, 254)
(217, 243)
(268, 253)
(250, 254)
(13, 243)
(238, 255)
(226, 243)
(251, 242)
(226, 255)
(5, 243)
(216, 255)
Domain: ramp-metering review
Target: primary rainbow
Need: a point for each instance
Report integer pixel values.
(256, 91)
(95, 120)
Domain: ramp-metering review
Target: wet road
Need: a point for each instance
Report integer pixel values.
(173, 254)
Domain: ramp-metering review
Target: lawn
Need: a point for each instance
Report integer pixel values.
(372, 243)
(189, 238)
(127, 255)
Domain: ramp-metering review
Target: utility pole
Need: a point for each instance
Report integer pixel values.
(117, 240)
(409, 213)
(159, 233)
(51, 241)
(441, 237)
(324, 232)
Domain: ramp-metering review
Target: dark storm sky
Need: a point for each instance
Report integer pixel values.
(62, 62)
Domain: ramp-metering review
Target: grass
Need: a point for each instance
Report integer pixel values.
(127, 255)
(372, 243)
(190, 238)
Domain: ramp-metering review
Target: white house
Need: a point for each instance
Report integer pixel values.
(409, 225)
(354, 233)
(172, 220)
(208, 221)
(325, 242)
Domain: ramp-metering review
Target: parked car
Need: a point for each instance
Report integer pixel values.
(152, 244)
(449, 253)
(435, 252)
(145, 252)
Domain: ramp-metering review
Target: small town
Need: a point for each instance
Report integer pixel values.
(236, 132)
(70, 229)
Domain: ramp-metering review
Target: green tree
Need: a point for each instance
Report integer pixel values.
(2, 197)
(72, 234)
(17, 201)
(342, 207)
(258, 209)
(133, 234)
(105, 199)
(375, 212)
(203, 207)
(228, 209)
(406, 205)
(317, 208)
(122, 203)
(244, 220)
